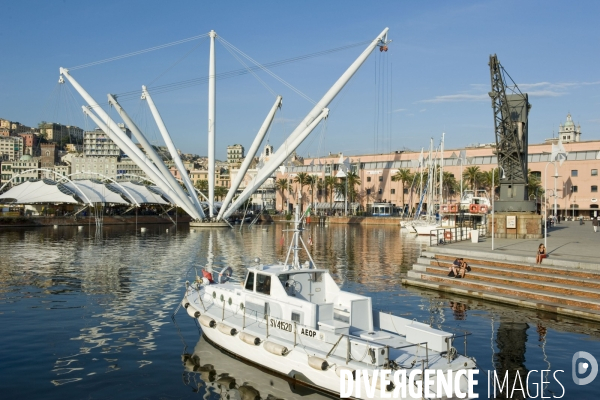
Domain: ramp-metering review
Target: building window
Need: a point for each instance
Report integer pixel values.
(405, 190)
(379, 191)
(393, 191)
(380, 178)
(573, 172)
(368, 179)
(368, 191)
(594, 188)
(574, 189)
(594, 172)
(536, 174)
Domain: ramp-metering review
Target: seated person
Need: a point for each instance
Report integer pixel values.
(453, 269)
(541, 254)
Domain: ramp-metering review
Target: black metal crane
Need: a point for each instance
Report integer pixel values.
(511, 109)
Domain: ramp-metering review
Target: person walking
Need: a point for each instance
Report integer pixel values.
(595, 223)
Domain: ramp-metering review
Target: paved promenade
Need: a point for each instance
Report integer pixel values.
(567, 241)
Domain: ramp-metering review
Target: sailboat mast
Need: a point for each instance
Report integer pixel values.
(442, 172)
(211, 124)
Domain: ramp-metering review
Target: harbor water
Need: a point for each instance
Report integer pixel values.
(88, 313)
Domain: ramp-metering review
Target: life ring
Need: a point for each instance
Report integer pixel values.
(225, 274)
(474, 208)
(483, 209)
(448, 235)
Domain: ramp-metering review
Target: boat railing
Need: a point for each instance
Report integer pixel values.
(441, 236)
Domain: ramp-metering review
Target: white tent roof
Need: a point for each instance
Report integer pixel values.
(143, 194)
(96, 191)
(40, 191)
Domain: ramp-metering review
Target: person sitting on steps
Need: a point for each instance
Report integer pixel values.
(459, 268)
(541, 254)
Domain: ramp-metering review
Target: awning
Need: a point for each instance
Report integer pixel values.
(41, 191)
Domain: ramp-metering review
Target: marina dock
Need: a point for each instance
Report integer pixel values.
(567, 282)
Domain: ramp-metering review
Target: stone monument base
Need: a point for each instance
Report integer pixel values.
(511, 225)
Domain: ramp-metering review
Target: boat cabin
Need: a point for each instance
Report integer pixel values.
(306, 296)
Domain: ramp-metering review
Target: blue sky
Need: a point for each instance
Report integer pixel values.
(433, 79)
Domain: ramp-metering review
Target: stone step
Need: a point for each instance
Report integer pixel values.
(536, 273)
(522, 266)
(477, 275)
(511, 291)
(511, 258)
(572, 311)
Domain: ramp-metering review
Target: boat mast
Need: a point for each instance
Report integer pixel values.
(442, 172)
(211, 124)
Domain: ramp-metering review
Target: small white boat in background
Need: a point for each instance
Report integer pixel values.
(292, 319)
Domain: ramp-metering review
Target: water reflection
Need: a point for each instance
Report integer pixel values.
(213, 373)
(93, 307)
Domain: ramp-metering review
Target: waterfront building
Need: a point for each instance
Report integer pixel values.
(11, 148)
(576, 187)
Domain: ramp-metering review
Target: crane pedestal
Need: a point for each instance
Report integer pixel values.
(516, 225)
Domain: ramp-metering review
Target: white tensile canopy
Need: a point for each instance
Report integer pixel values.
(141, 193)
(82, 192)
(41, 191)
(97, 192)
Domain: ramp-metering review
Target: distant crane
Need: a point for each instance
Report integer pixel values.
(510, 122)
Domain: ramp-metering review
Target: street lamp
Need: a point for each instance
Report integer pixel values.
(493, 196)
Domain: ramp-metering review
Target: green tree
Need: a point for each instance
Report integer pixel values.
(202, 185)
(311, 181)
(282, 185)
(472, 175)
(301, 179)
(220, 192)
(534, 186)
(330, 183)
(403, 175)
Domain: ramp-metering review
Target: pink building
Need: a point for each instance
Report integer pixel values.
(576, 186)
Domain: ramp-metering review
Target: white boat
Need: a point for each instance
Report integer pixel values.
(292, 319)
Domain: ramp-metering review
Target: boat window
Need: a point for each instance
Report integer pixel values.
(250, 281)
(296, 317)
(263, 284)
(317, 277)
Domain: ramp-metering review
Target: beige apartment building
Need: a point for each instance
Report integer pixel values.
(576, 185)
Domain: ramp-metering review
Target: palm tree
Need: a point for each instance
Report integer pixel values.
(449, 183)
(321, 188)
(330, 183)
(202, 185)
(302, 179)
(403, 175)
(311, 181)
(282, 185)
(472, 176)
(353, 180)
(534, 186)
(220, 192)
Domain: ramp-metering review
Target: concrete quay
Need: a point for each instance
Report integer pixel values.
(566, 283)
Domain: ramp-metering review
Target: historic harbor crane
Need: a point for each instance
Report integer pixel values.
(511, 109)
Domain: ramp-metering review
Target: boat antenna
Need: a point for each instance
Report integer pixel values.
(297, 230)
